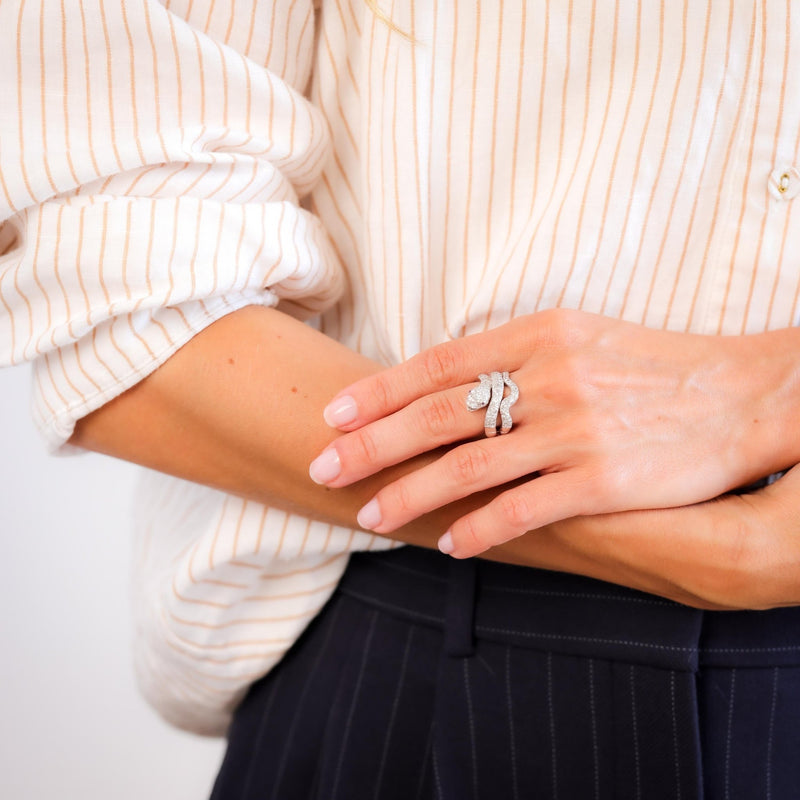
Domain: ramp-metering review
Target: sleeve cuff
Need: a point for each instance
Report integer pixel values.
(75, 380)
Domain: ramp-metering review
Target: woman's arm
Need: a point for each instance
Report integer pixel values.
(239, 408)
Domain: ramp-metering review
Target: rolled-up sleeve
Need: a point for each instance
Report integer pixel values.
(152, 167)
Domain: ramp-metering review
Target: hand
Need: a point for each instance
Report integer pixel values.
(612, 417)
(734, 552)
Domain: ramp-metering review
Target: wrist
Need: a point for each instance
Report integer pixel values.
(770, 419)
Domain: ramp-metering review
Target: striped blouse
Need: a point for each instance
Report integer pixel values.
(416, 174)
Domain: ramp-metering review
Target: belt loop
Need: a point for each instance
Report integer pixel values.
(460, 610)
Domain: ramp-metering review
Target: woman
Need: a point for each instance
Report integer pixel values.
(592, 199)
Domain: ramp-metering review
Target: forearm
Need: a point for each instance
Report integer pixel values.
(239, 408)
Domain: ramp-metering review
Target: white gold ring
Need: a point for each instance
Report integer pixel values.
(490, 395)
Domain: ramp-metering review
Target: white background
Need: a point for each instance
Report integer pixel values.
(72, 724)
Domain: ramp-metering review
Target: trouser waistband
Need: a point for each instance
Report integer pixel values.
(563, 613)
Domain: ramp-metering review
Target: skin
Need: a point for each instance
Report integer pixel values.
(612, 417)
(737, 552)
(240, 408)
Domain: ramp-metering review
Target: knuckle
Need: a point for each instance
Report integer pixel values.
(397, 502)
(514, 510)
(470, 465)
(469, 536)
(440, 364)
(607, 484)
(557, 326)
(437, 416)
(588, 496)
(381, 393)
(362, 447)
(552, 320)
(574, 373)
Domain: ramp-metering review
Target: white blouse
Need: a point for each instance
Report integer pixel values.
(429, 171)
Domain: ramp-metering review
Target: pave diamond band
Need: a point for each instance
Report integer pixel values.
(490, 394)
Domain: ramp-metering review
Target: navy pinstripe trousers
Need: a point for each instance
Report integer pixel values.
(426, 677)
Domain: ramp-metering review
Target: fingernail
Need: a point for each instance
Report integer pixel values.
(340, 412)
(370, 516)
(325, 467)
(446, 543)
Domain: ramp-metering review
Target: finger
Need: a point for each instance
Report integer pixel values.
(441, 367)
(434, 420)
(542, 501)
(463, 471)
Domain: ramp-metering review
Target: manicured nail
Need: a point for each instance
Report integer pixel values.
(340, 412)
(325, 467)
(370, 516)
(446, 543)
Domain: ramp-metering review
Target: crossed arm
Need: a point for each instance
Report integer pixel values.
(624, 441)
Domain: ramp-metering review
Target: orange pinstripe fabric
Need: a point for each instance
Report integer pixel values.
(473, 162)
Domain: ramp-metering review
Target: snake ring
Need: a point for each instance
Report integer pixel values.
(490, 394)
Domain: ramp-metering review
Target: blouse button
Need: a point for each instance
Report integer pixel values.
(784, 183)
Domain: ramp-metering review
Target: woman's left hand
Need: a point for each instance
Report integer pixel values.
(739, 551)
(612, 416)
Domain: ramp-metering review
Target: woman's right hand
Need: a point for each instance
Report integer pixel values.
(612, 416)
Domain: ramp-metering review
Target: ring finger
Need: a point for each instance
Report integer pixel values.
(438, 419)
